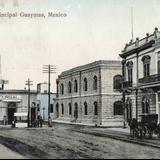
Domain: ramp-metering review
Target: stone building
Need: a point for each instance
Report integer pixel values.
(141, 71)
(86, 94)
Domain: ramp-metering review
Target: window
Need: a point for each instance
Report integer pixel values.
(85, 109)
(62, 89)
(146, 65)
(69, 87)
(95, 108)
(95, 83)
(145, 105)
(130, 70)
(75, 86)
(85, 84)
(62, 109)
(51, 105)
(118, 108)
(70, 109)
(117, 82)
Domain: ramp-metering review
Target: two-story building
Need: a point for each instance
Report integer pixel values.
(141, 72)
(86, 94)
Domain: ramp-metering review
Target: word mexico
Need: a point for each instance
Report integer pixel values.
(31, 15)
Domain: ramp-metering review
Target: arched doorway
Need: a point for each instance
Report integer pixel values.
(11, 110)
(129, 109)
(57, 110)
(76, 111)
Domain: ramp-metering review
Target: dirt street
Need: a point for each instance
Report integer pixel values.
(62, 142)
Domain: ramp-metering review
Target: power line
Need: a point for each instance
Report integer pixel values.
(29, 83)
(49, 69)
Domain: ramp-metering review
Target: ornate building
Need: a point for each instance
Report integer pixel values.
(141, 72)
(87, 94)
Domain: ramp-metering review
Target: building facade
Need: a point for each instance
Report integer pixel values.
(12, 101)
(141, 72)
(86, 94)
(42, 101)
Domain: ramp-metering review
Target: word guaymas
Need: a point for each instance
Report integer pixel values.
(31, 15)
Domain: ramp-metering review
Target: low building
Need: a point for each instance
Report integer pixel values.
(141, 72)
(87, 94)
(12, 101)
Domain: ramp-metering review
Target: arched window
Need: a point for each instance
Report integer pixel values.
(130, 70)
(85, 108)
(70, 109)
(62, 108)
(69, 87)
(95, 83)
(146, 65)
(117, 82)
(95, 108)
(145, 105)
(62, 89)
(118, 108)
(75, 86)
(85, 84)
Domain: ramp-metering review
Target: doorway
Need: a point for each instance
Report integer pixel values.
(57, 110)
(76, 111)
(11, 110)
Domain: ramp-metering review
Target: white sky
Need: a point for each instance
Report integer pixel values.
(93, 30)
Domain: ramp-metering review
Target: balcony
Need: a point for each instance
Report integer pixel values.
(150, 79)
(127, 84)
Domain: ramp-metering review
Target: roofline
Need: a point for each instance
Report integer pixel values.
(137, 50)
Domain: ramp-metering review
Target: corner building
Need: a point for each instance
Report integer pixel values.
(141, 72)
(86, 94)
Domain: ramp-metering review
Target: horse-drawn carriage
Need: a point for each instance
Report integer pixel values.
(146, 127)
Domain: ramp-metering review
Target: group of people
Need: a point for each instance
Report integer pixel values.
(39, 122)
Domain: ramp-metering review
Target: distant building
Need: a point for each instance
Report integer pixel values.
(87, 94)
(141, 71)
(42, 101)
(12, 101)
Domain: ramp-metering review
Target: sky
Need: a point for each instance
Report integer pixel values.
(93, 30)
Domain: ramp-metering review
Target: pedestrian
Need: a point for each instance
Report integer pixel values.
(49, 122)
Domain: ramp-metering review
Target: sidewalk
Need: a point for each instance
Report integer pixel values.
(6, 153)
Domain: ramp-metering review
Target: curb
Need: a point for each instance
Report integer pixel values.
(124, 138)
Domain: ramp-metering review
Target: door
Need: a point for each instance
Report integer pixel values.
(57, 110)
(11, 110)
(76, 111)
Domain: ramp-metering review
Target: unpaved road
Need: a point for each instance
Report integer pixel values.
(6, 153)
(61, 142)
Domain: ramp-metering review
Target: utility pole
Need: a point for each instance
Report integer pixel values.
(29, 83)
(49, 69)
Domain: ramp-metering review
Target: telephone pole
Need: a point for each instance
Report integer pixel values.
(29, 83)
(49, 69)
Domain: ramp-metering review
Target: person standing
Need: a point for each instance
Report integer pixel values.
(49, 122)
